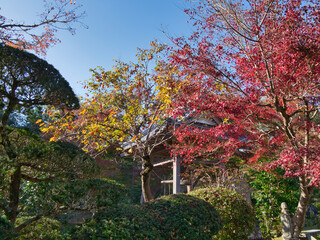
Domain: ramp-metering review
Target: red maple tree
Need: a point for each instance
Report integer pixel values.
(256, 66)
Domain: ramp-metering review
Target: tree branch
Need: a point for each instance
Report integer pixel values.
(26, 223)
(31, 179)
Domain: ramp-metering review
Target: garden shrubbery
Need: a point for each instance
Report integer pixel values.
(237, 216)
(83, 194)
(184, 217)
(6, 229)
(271, 189)
(45, 228)
(170, 217)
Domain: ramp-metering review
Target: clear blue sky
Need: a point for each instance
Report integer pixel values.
(116, 28)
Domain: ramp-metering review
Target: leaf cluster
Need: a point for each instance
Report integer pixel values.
(125, 104)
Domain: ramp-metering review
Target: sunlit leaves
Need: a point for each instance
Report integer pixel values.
(121, 103)
(256, 68)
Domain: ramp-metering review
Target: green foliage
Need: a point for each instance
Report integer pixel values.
(36, 81)
(101, 193)
(170, 217)
(271, 189)
(42, 166)
(123, 103)
(125, 222)
(27, 82)
(45, 228)
(85, 194)
(6, 229)
(41, 159)
(178, 213)
(236, 213)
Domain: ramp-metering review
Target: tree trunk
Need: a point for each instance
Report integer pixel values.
(14, 195)
(293, 225)
(145, 178)
(300, 216)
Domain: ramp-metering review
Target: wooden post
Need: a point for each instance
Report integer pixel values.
(176, 175)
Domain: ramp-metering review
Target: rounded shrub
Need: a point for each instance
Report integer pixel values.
(237, 215)
(170, 217)
(125, 222)
(184, 217)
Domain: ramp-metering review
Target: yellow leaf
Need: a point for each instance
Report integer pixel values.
(53, 139)
(134, 138)
(38, 121)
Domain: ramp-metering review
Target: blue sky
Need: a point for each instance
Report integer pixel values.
(115, 29)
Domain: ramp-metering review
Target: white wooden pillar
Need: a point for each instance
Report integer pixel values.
(176, 175)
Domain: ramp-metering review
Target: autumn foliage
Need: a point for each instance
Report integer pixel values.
(41, 34)
(255, 65)
(124, 105)
(120, 105)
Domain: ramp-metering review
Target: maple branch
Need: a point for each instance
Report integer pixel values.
(277, 125)
(160, 142)
(26, 27)
(217, 8)
(233, 84)
(266, 13)
(315, 114)
(267, 69)
(295, 112)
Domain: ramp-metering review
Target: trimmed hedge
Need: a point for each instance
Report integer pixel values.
(184, 217)
(170, 217)
(237, 215)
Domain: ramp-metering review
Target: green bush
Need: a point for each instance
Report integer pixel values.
(270, 190)
(6, 229)
(236, 214)
(86, 194)
(125, 222)
(44, 228)
(96, 193)
(184, 217)
(170, 217)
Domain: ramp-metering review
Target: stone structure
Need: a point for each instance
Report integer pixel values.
(286, 222)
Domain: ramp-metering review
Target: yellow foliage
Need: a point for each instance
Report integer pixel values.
(123, 102)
